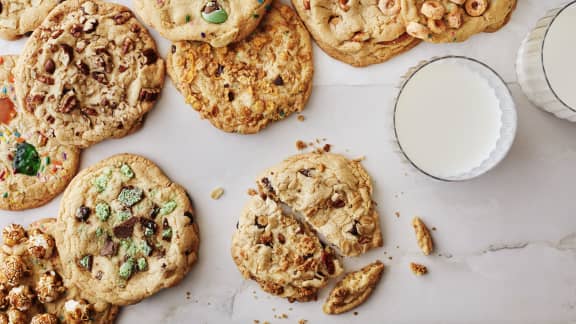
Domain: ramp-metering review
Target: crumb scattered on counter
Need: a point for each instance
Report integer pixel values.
(327, 148)
(302, 321)
(355, 313)
(252, 192)
(418, 269)
(434, 228)
(217, 193)
(397, 214)
(300, 145)
(301, 118)
(360, 158)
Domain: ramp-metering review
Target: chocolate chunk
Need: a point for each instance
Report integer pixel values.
(28, 33)
(49, 66)
(328, 260)
(279, 81)
(148, 225)
(354, 230)
(306, 172)
(110, 248)
(82, 213)
(125, 229)
(149, 95)
(150, 55)
(281, 238)
(90, 25)
(154, 211)
(1, 7)
(339, 203)
(190, 216)
(268, 185)
(219, 70)
(173, 48)
(231, 96)
(99, 275)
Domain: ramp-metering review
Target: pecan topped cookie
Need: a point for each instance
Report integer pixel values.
(357, 32)
(333, 194)
(32, 288)
(247, 85)
(280, 253)
(441, 21)
(91, 71)
(20, 17)
(217, 22)
(125, 230)
(34, 168)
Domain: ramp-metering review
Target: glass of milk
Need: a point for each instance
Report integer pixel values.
(546, 63)
(454, 118)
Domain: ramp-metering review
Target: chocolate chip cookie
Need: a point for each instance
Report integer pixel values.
(359, 33)
(217, 22)
(125, 230)
(32, 288)
(247, 85)
(20, 17)
(281, 254)
(334, 195)
(442, 21)
(34, 168)
(90, 72)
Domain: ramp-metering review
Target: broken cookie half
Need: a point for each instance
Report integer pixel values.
(354, 289)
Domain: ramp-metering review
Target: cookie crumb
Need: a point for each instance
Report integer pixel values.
(360, 158)
(300, 145)
(301, 118)
(418, 269)
(434, 228)
(252, 192)
(397, 214)
(302, 321)
(256, 322)
(355, 313)
(327, 148)
(217, 193)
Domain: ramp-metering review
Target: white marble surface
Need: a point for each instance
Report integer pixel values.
(506, 242)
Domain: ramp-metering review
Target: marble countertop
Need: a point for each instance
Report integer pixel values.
(506, 242)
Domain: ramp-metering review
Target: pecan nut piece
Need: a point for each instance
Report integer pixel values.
(68, 103)
(423, 236)
(122, 17)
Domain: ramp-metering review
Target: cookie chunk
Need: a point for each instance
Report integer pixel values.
(333, 194)
(354, 289)
(442, 21)
(280, 253)
(89, 72)
(216, 22)
(359, 33)
(34, 168)
(125, 230)
(20, 17)
(245, 86)
(39, 294)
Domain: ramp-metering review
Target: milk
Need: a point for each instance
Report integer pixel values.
(447, 119)
(559, 56)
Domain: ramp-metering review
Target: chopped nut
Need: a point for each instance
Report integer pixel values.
(300, 145)
(301, 118)
(252, 192)
(423, 236)
(418, 269)
(217, 193)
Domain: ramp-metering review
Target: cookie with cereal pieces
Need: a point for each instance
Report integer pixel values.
(32, 286)
(217, 22)
(247, 85)
(446, 21)
(90, 72)
(359, 33)
(126, 231)
(34, 168)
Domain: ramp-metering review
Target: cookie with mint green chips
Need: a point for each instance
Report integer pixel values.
(126, 231)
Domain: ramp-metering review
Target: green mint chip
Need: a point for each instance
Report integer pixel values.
(130, 196)
(127, 171)
(126, 269)
(102, 211)
(142, 264)
(168, 207)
